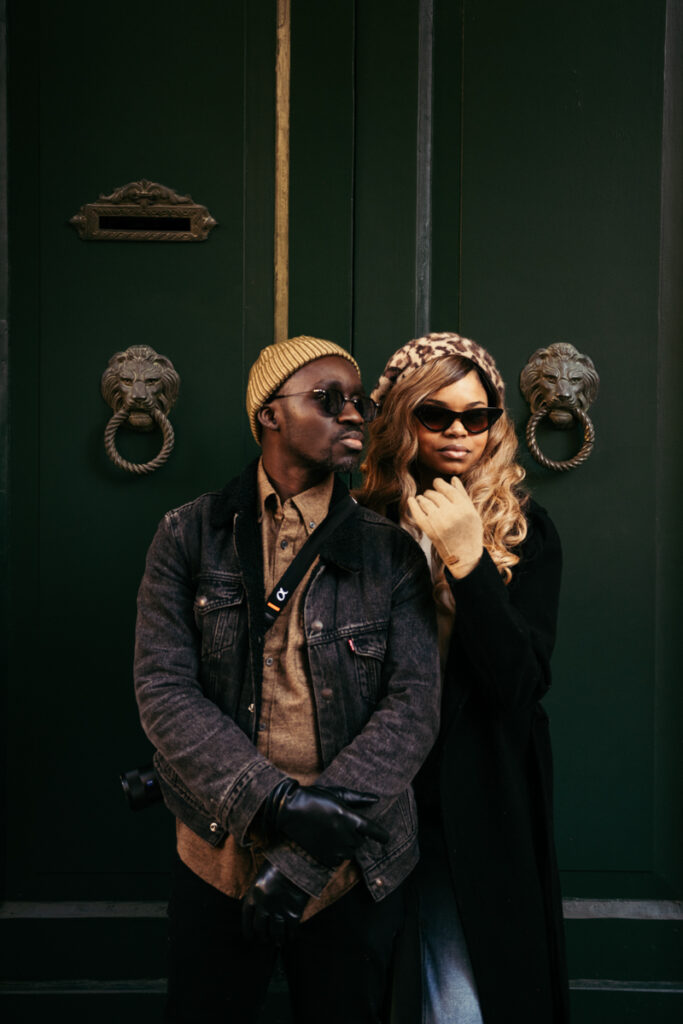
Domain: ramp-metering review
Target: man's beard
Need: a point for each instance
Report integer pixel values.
(336, 464)
(346, 464)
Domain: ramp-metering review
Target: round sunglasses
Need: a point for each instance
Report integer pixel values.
(333, 401)
(475, 421)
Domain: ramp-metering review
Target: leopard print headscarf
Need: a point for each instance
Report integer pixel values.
(421, 350)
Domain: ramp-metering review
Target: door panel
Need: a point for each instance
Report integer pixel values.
(163, 100)
(561, 167)
(322, 171)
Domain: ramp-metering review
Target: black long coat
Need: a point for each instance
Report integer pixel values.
(489, 782)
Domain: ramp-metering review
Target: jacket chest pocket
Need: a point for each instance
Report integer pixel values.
(217, 606)
(368, 656)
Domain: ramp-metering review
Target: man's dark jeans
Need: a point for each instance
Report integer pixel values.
(337, 966)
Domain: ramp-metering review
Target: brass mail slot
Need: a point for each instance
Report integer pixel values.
(143, 211)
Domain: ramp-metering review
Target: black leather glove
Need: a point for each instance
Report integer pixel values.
(320, 819)
(272, 908)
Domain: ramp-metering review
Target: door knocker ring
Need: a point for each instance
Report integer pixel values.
(141, 387)
(561, 465)
(561, 383)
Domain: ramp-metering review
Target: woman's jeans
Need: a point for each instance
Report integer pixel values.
(337, 965)
(433, 983)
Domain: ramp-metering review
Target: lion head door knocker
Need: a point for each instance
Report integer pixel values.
(560, 383)
(141, 387)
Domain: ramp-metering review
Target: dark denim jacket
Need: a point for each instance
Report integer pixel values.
(371, 640)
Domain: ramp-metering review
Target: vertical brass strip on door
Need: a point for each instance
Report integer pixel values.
(281, 261)
(423, 197)
(461, 169)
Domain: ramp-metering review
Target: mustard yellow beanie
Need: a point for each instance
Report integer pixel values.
(278, 362)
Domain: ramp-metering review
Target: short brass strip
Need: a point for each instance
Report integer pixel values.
(282, 77)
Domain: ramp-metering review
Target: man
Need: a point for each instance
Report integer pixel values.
(286, 753)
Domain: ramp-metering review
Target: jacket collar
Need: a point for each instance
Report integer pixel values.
(343, 546)
(240, 495)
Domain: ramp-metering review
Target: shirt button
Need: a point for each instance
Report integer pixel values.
(214, 826)
(269, 661)
(262, 727)
(283, 544)
(316, 624)
(311, 525)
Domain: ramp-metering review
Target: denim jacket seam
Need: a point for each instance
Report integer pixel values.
(241, 784)
(411, 570)
(397, 852)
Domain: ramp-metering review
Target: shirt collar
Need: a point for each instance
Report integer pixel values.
(312, 504)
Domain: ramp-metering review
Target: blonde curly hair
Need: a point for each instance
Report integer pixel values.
(493, 484)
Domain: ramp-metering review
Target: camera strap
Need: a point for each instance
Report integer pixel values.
(299, 566)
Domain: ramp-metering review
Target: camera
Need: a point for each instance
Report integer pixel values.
(141, 787)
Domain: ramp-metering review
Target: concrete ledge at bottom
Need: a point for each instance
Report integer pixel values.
(616, 1005)
(138, 1001)
(141, 1002)
(574, 909)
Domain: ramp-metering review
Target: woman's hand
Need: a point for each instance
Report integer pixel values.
(450, 520)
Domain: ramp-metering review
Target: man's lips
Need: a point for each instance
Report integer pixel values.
(353, 441)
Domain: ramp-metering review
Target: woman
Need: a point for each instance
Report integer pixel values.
(487, 924)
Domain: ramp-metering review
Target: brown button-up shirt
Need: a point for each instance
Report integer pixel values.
(287, 733)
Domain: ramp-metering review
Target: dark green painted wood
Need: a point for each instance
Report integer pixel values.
(560, 238)
(108, 113)
(354, 125)
(626, 950)
(625, 1007)
(23, 464)
(446, 169)
(259, 191)
(82, 1009)
(386, 132)
(4, 396)
(63, 949)
(322, 159)
(669, 470)
(134, 1008)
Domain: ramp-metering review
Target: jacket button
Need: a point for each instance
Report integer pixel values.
(202, 602)
(316, 624)
(250, 709)
(214, 826)
(378, 882)
(327, 693)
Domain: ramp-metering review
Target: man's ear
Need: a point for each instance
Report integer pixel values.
(267, 417)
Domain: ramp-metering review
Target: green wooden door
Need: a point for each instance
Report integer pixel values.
(182, 95)
(477, 166)
(549, 144)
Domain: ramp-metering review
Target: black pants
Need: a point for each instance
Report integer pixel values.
(337, 965)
